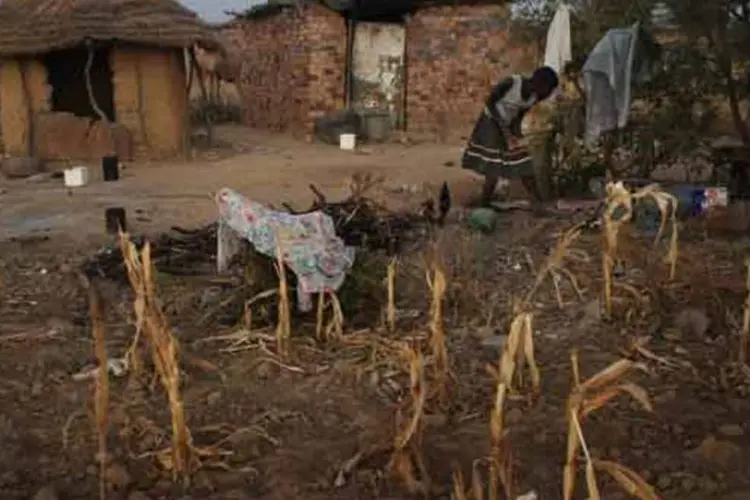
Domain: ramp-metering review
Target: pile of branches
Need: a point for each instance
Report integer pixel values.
(180, 252)
(358, 220)
(363, 223)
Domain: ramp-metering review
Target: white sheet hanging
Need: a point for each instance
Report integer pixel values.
(558, 51)
(607, 80)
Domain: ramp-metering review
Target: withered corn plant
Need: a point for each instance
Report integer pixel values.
(406, 462)
(619, 211)
(151, 321)
(441, 370)
(745, 334)
(585, 398)
(284, 322)
(518, 350)
(554, 267)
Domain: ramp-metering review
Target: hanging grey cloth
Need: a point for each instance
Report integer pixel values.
(607, 78)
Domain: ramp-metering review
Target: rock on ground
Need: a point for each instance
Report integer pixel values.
(46, 493)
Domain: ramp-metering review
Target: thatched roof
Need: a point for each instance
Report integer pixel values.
(38, 26)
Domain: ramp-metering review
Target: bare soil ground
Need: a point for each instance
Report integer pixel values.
(292, 424)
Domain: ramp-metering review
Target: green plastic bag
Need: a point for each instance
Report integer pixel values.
(482, 219)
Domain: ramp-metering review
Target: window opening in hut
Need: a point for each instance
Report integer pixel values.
(66, 70)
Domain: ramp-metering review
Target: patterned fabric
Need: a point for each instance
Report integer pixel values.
(308, 242)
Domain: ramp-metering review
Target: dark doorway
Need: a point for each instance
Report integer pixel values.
(66, 76)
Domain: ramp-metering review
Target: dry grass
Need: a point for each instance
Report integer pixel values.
(585, 398)
(151, 321)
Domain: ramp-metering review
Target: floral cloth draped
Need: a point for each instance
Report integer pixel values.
(308, 242)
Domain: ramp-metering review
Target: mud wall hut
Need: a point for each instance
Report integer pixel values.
(80, 79)
(427, 64)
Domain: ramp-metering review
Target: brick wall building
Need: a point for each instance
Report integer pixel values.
(292, 64)
(295, 64)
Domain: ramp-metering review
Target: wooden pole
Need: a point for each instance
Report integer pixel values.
(206, 112)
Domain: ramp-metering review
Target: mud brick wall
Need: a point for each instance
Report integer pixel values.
(292, 66)
(454, 55)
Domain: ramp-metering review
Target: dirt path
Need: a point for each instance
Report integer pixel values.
(270, 168)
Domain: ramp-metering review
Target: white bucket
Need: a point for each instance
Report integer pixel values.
(76, 176)
(348, 142)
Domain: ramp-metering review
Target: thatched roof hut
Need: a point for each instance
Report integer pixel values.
(37, 26)
(136, 49)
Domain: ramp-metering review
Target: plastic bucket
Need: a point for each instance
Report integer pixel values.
(76, 176)
(347, 142)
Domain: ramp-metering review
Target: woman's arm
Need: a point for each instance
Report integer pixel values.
(515, 124)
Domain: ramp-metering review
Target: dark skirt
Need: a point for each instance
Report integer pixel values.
(487, 152)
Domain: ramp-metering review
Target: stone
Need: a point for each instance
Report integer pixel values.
(202, 482)
(736, 495)
(688, 484)
(514, 416)
(540, 438)
(213, 398)
(138, 495)
(20, 167)
(46, 493)
(693, 322)
(117, 476)
(210, 295)
(709, 487)
(731, 430)
(10, 478)
(591, 314)
(665, 397)
(480, 333)
(436, 420)
(664, 482)
(495, 342)
(717, 453)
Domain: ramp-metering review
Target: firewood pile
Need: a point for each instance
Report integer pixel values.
(359, 221)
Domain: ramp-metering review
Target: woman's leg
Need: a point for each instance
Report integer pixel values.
(488, 190)
(531, 187)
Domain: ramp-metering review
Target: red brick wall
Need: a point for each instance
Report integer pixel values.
(292, 64)
(454, 55)
(325, 36)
